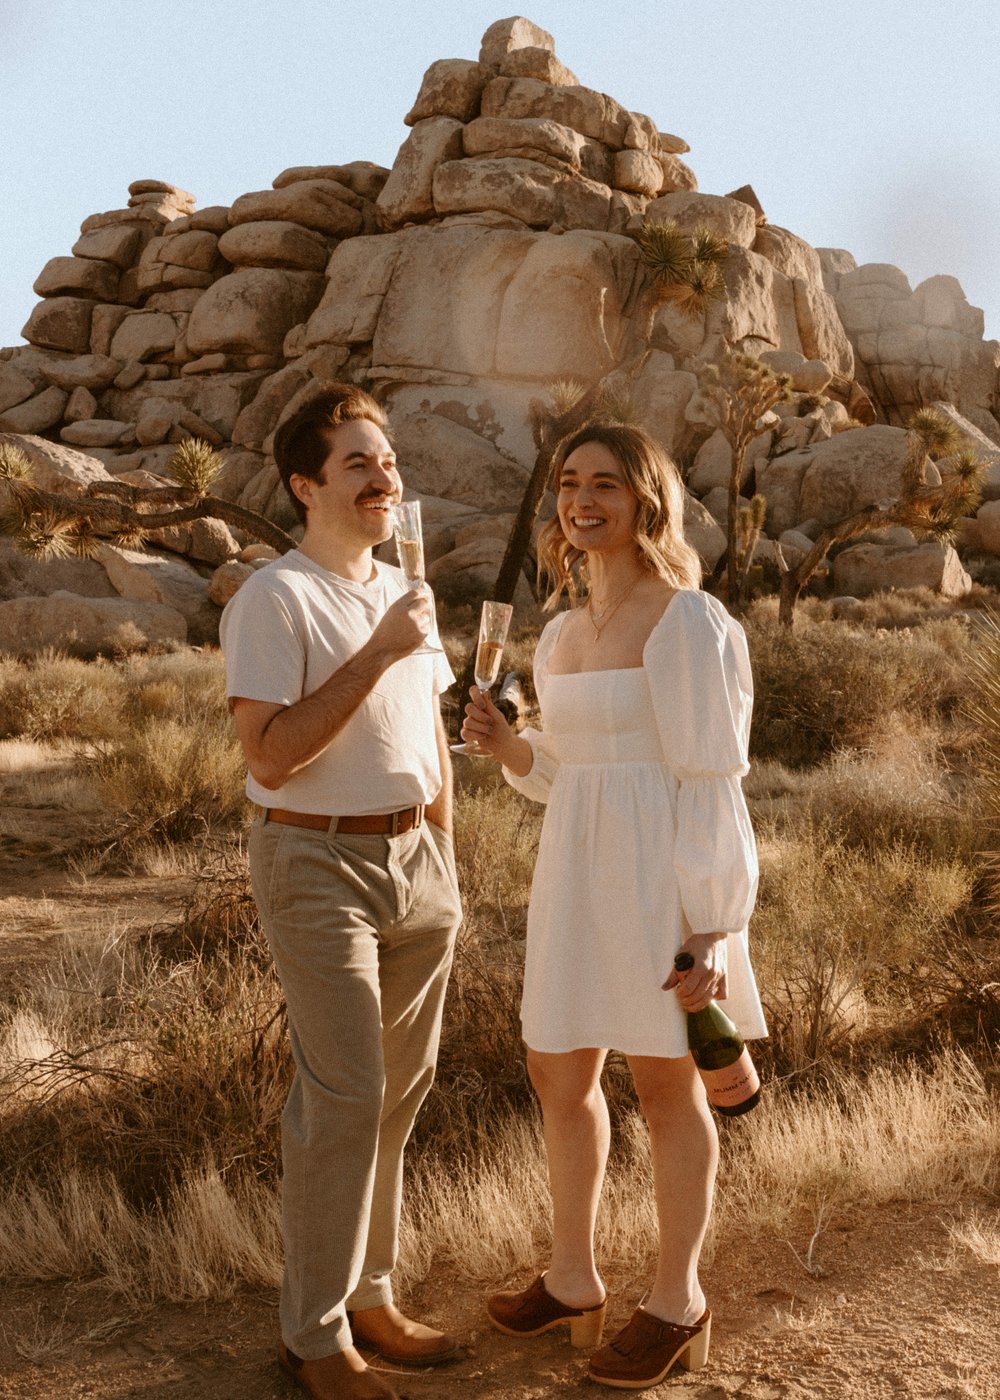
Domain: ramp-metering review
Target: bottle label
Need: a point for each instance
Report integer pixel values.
(729, 1087)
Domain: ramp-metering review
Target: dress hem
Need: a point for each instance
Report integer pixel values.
(656, 1054)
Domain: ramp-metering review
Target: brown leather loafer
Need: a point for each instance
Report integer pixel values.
(399, 1338)
(647, 1347)
(342, 1376)
(533, 1310)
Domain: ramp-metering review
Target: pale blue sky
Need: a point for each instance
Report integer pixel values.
(871, 126)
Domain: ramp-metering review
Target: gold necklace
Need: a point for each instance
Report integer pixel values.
(608, 611)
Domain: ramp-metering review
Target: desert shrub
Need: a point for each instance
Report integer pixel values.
(896, 794)
(821, 687)
(834, 925)
(54, 697)
(159, 1069)
(219, 917)
(176, 686)
(174, 779)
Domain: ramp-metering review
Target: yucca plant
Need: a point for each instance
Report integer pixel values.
(749, 524)
(685, 269)
(15, 464)
(195, 464)
(565, 394)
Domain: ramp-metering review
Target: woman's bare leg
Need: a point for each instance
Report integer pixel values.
(685, 1153)
(577, 1135)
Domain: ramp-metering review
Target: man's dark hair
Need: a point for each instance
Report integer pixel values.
(302, 444)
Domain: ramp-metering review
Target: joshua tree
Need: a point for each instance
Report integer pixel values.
(571, 405)
(685, 269)
(734, 395)
(930, 511)
(51, 525)
(749, 524)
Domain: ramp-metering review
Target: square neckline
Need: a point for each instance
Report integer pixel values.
(618, 670)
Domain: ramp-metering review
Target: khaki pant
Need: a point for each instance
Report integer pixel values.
(361, 930)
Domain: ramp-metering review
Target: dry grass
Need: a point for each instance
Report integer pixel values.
(900, 1135)
(174, 779)
(58, 697)
(28, 756)
(142, 1075)
(980, 1236)
(824, 686)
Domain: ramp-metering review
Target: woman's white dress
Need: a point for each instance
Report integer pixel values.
(646, 837)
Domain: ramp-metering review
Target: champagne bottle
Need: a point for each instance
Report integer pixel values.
(727, 1071)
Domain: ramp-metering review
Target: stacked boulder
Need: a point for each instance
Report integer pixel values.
(499, 254)
(916, 345)
(514, 137)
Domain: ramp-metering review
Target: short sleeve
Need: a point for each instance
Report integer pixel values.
(537, 782)
(263, 649)
(702, 689)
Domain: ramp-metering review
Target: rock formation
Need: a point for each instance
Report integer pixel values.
(496, 256)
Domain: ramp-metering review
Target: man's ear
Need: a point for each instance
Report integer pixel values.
(301, 487)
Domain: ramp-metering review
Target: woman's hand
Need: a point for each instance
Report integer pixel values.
(706, 980)
(485, 725)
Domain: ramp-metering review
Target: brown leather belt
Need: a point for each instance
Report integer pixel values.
(378, 824)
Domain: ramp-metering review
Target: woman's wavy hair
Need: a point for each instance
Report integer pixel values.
(659, 523)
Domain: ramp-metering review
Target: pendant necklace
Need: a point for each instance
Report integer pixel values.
(608, 611)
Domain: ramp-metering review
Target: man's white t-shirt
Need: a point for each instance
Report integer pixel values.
(287, 629)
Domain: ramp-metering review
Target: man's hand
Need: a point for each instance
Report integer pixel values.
(404, 626)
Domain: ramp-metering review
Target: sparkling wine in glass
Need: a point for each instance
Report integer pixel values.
(405, 517)
(493, 624)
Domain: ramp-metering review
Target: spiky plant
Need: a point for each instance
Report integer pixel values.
(664, 250)
(15, 464)
(685, 269)
(710, 248)
(938, 436)
(130, 535)
(195, 465)
(565, 394)
(46, 535)
(616, 404)
(749, 524)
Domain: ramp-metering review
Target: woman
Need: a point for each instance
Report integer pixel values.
(646, 849)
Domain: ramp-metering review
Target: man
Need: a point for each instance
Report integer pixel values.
(354, 875)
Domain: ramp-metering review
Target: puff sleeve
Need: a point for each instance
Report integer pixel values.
(702, 689)
(537, 782)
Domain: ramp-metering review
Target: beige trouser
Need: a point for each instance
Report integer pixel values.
(361, 930)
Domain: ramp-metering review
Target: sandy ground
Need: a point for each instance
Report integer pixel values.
(898, 1314)
(897, 1309)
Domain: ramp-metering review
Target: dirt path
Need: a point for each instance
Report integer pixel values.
(899, 1314)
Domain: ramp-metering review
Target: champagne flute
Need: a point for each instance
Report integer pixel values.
(493, 624)
(405, 516)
